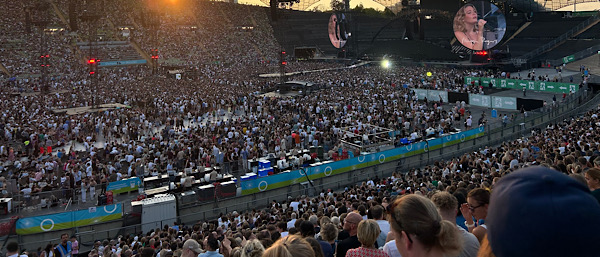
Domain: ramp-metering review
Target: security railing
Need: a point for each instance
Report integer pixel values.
(593, 50)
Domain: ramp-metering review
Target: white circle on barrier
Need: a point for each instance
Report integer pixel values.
(113, 210)
(409, 147)
(380, 160)
(481, 128)
(363, 158)
(448, 138)
(330, 171)
(462, 138)
(42, 225)
(301, 172)
(426, 148)
(263, 188)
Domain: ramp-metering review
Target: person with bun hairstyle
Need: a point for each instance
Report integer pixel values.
(290, 246)
(419, 229)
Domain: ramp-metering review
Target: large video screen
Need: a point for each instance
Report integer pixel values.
(337, 30)
(479, 25)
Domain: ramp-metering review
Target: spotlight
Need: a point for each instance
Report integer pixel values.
(386, 64)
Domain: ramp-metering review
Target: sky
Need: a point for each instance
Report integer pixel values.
(325, 5)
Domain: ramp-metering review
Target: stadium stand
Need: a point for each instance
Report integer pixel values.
(202, 133)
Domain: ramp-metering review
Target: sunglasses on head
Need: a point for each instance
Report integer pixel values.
(390, 211)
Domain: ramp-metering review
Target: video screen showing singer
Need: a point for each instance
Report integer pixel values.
(479, 25)
(468, 28)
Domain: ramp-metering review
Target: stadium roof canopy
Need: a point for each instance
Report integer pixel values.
(396, 5)
(554, 5)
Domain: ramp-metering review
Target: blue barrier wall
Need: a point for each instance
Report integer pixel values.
(66, 220)
(297, 176)
(125, 185)
(121, 63)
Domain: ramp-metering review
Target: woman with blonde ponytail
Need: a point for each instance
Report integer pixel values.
(420, 230)
(290, 246)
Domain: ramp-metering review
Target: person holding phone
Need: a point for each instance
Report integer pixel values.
(468, 28)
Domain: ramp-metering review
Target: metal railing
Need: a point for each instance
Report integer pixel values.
(593, 50)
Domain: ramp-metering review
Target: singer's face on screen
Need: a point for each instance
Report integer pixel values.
(470, 15)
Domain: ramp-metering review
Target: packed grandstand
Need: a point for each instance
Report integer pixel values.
(170, 128)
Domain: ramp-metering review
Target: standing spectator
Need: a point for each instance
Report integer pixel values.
(84, 188)
(290, 246)
(476, 208)
(419, 229)
(253, 248)
(307, 229)
(212, 247)
(12, 250)
(391, 249)
(368, 231)
(592, 176)
(290, 224)
(47, 252)
(329, 234)
(448, 207)
(468, 123)
(282, 228)
(191, 248)
(74, 246)
(351, 226)
(64, 248)
(377, 214)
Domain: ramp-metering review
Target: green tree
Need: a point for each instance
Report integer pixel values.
(337, 5)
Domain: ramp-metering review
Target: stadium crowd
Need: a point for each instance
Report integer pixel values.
(446, 209)
(226, 121)
(216, 117)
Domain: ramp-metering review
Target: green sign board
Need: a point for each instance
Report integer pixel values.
(554, 87)
(568, 59)
(503, 102)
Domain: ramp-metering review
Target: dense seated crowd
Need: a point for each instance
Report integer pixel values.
(217, 118)
(225, 120)
(214, 117)
(459, 207)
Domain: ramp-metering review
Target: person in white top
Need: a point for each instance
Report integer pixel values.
(377, 214)
(294, 204)
(282, 229)
(391, 249)
(292, 222)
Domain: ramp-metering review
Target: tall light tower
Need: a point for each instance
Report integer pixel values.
(153, 22)
(40, 19)
(282, 63)
(91, 16)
